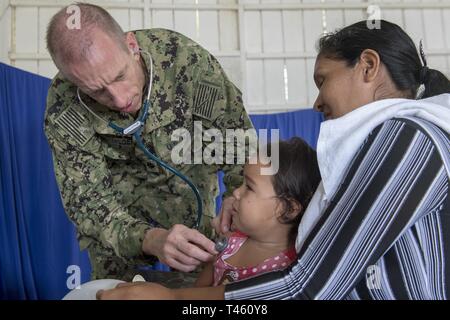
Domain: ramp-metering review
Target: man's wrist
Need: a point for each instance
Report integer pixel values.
(151, 238)
(129, 244)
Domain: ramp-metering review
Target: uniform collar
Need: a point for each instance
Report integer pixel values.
(156, 118)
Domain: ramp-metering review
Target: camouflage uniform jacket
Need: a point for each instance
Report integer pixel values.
(110, 190)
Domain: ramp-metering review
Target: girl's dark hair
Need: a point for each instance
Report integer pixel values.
(396, 50)
(297, 179)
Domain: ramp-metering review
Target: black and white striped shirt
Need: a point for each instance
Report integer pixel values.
(385, 233)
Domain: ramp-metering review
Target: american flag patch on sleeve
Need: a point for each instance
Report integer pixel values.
(75, 125)
(205, 96)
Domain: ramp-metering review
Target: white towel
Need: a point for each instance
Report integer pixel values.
(340, 139)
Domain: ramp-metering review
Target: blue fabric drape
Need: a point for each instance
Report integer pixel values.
(301, 123)
(37, 241)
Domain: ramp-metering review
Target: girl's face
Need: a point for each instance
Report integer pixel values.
(256, 207)
(341, 88)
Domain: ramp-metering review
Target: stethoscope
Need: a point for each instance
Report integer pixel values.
(135, 130)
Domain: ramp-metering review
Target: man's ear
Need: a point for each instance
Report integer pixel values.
(369, 64)
(132, 44)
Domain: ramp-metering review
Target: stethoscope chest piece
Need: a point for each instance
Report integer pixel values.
(221, 244)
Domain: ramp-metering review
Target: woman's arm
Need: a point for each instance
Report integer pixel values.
(153, 291)
(206, 277)
(396, 179)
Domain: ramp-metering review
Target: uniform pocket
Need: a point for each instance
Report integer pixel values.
(117, 147)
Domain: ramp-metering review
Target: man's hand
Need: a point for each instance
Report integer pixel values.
(180, 247)
(222, 223)
(137, 291)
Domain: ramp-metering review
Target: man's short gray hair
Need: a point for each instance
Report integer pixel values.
(68, 45)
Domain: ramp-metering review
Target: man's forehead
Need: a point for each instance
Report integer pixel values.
(99, 47)
(98, 65)
(104, 50)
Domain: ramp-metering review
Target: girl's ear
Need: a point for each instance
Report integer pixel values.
(290, 213)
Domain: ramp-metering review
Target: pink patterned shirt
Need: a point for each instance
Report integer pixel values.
(226, 273)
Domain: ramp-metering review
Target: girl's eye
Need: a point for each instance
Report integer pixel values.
(248, 187)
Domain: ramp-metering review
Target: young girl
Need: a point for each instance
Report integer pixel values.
(266, 214)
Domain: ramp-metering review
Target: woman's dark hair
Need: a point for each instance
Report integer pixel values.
(397, 51)
(296, 180)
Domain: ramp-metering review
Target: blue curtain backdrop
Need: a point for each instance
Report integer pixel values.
(37, 241)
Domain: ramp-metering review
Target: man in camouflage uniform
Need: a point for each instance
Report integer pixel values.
(127, 209)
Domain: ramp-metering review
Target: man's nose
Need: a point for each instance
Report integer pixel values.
(118, 97)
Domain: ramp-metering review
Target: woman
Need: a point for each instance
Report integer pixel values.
(377, 226)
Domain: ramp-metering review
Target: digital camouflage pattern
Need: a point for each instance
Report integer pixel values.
(110, 190)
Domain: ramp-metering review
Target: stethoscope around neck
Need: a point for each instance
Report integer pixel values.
(135, 130)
